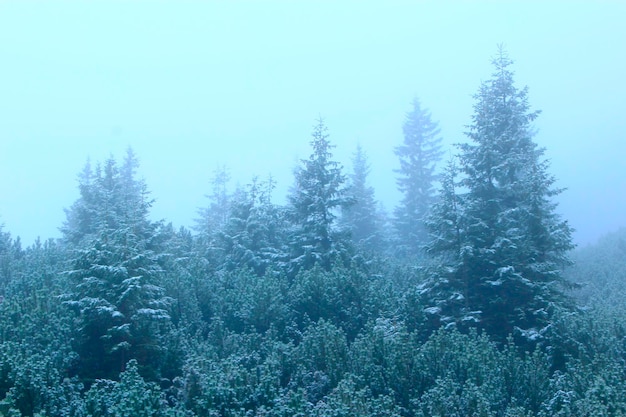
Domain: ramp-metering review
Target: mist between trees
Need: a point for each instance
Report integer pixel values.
(463, 301)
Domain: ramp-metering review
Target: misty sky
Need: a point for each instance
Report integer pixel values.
(195, 85)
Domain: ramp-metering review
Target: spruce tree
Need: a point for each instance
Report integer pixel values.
(213, 218)
(9, 250)
(362, 217)
(81, 216)
(215, 215)
(253, 234)
(111, 196)
(123, 311)
(122, 308)
(418, 155)
(505, 243)
(314, 201)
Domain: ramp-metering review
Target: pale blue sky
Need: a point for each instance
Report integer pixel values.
(193, 85)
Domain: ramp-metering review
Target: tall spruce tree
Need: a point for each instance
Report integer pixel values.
(505, 245)
(418, 155)
(362, 217)
(314, 201)
(122, 308)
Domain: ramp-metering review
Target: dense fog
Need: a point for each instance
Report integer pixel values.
(196, 86)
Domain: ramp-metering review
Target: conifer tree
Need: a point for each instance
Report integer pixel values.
(314, 201)
(418, 155)
(122, 309)
(81, 216)
(9, 249)
(215, 215)
(362, 217)
(253, 234)
(110, 197)
(506, 244)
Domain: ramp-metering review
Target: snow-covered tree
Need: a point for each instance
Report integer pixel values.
(122, 309)
(418, 155)
(314, 201)
(116, 272)
(253, 235)
(81, 216)
(111, 197)
(505, 245)
(10, 249)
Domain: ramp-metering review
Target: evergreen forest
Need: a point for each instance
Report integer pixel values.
(467, 299)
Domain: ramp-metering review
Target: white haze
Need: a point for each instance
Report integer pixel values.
(191, 86)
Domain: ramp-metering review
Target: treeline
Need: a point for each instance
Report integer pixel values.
(462, 303)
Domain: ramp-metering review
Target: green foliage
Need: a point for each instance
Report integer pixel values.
(321, 359)
(245, 374)
(382, 356)
(587, 390)
(131, 396)
(347, 297)
(250, 302)
(37, 385)
(349, 400)
(36, 360)
(448, 398)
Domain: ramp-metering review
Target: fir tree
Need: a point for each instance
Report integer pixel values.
(253, 234)
(213, 218)
(110, 197)
(116, 272)
(362, 217)
(122, 308)
(81, 216)
(418, 155)
(314, 200)
(505, 243)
